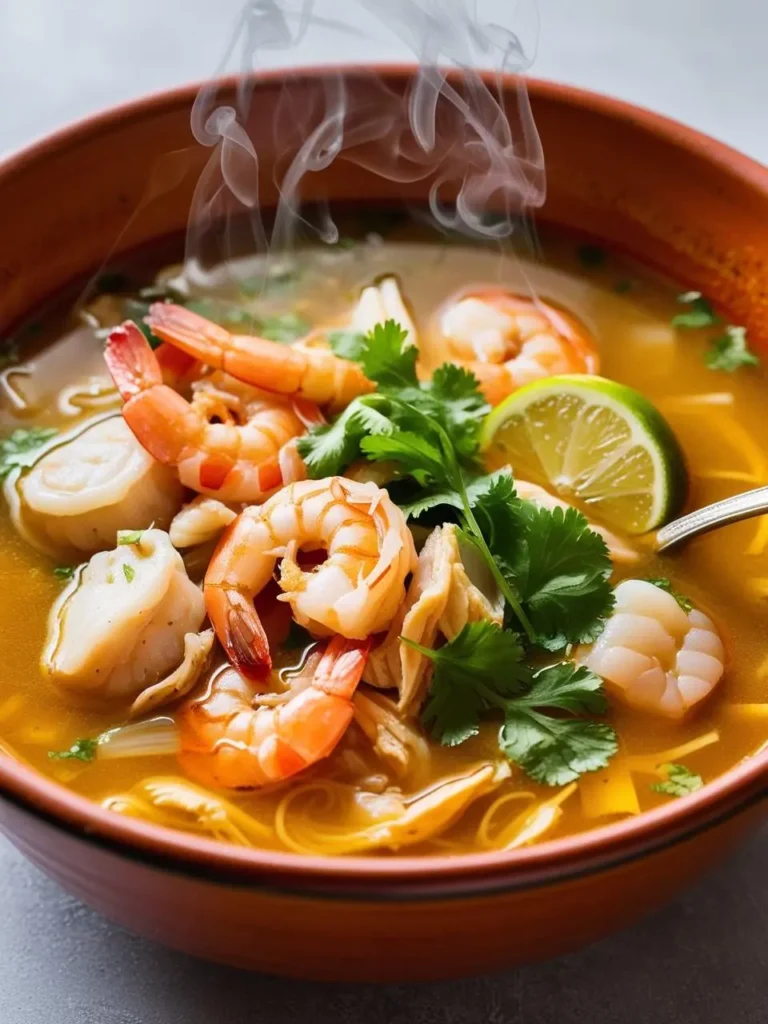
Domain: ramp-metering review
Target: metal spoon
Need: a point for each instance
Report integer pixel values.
(711, 517)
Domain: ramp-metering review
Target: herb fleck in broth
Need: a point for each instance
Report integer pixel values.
(629, 312)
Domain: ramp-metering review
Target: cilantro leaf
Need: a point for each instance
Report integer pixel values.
(472, 673)
(730, 351)
(461, 406)
(328, 450)
(65, 572)
(129, 572)
(416, 453)
(556, 751)
(480, 670)
(478, 488)
(664, 584)
(20, 449)
(130, 536)
(386, 359)
(698, 314)
(83, 749)
(566, 687)
(558, 565)
(679, 781)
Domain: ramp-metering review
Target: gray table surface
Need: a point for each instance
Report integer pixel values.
(704, 958)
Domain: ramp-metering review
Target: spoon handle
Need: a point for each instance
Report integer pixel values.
(730, 510)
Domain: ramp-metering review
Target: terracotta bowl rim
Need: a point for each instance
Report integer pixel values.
(392, 877)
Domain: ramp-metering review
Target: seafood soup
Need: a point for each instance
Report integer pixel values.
(353, 551)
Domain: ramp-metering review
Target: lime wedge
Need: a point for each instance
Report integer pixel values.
(594, 442)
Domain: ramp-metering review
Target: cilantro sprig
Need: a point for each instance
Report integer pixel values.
(481, 671)
(83, 749)
(19, 451)
(550, 566)
(679, 781)
(728, 351)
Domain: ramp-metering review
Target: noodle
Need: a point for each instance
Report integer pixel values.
(650, 764)
(483, 836)
(176, 803)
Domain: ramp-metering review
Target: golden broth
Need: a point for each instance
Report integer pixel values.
(718, 417)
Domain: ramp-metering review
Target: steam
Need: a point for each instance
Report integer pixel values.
(449, 128)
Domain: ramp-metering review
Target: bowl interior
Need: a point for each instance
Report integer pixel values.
(637, 182)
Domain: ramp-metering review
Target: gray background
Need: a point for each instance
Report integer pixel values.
(705, 957)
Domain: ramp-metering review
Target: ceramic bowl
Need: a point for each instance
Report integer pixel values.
(636, 181)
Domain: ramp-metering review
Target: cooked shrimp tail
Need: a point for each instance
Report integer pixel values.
(228, 742)
(311, 373)
(233, 447)
(239, 629)
(355, 591)
(131, 361)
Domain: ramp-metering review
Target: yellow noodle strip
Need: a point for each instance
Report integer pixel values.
(689, 403)
(484, 828)
(531, 825)
(609, 791)
(650, 764)
(176, 803)
(746, 712)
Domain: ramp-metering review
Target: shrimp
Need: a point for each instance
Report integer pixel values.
(355, 591)
(508, 341)
(654, 655)
(226, 741)
(223, 445)
(298, 370)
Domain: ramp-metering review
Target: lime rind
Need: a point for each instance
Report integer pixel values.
(648, 436)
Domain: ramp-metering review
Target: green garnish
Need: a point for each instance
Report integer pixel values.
(558, 565)
(679, 781)
(129, 572)
(699, 313)
(83, 749)
(551, 568)
(131, 536)
(664, 584)
(20, 449)
(591, 256)
(467, 684)
(730, 351)
(65, 572)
